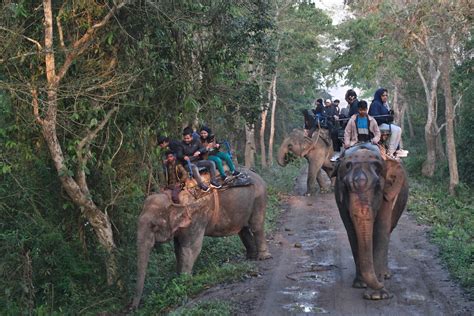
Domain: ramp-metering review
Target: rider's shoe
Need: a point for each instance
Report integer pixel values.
(401, 153)
(215, 184)
(204, 188)
(335, 157)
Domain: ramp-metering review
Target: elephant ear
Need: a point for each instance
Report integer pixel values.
(179, 218)
(395, 177)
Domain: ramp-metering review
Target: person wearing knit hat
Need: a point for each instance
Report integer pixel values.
(209, 141)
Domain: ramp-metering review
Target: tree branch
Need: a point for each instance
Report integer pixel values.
(84, 143)
(440, 128)
(80, 45)
(25, 37)
(61, 34)
(35, 103)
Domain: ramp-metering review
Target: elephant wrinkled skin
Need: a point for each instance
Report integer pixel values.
(371, 195)
(316, 150)
(239, 210)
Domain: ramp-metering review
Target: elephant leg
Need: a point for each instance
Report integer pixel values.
(178, 255)
(322, 182)
(249, 242)
(314, 168)
(257, 224)
(382, 227)
(189, 248)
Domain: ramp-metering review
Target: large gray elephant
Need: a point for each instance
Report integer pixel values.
(237, 210)
(371, 194)
(316, 150)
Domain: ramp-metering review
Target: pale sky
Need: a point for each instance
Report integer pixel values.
(336, 10)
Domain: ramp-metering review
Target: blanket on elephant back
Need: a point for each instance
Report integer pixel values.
(191, 186)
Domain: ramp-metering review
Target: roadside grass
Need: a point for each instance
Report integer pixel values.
(211, 308)
(221, 260)
(451, 219)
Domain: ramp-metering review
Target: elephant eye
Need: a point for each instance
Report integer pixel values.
(378, 167)
(348, 165)
(290, 146)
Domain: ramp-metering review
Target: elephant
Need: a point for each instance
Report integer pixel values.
(316, 150)
(371, 194)
(236, 210)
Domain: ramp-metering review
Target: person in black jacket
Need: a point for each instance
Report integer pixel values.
(176, 148)
(351, 98)
(380, 110)
(172, 145)
(191, 151)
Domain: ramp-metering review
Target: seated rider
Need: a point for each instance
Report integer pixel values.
(165, 143)
(309, 122)
(176, 176)
(380, 109)
(191, 151)
(361, 128)
(331, 113)
(318, 107)
(176, 148)
(209, 141)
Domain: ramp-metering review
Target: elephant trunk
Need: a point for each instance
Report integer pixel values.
(282, 153)
(364, 227)
(145, 242)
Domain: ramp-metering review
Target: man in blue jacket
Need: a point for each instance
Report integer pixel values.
(380, 110)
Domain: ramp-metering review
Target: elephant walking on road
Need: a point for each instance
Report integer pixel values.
(237, 210)
(316, 150)
(371, 195)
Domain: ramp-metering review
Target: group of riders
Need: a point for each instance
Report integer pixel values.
(357, 123)
(195, 152)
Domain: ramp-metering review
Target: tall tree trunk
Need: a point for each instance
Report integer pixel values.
(396, 101)
(410, 123)
(431, 128)
(76, 188)
(272, 121)
(440, 154)
(249, 146)
(263, 125)
(450, 141)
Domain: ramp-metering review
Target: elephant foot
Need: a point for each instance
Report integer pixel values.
(380, 294)
(264, 255)
(359, 284)
(325, 190)
(387, 275)
(252, 256)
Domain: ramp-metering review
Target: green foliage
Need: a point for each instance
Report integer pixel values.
(178, 290)
(211, 308)
(452, 220)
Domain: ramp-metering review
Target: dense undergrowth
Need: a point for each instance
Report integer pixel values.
(451, 218)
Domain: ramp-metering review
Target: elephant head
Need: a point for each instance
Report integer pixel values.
(297, 143)
(158, 222)
(369, 200)
(316, 150)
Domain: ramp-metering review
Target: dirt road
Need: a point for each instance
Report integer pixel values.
(312, 270)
